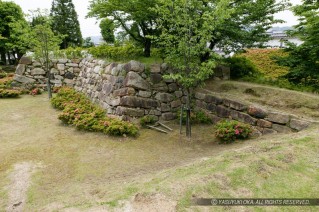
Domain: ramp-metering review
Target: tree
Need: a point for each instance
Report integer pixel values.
(11, 15)
(88, 43)
(107, 30)
(186, 26)
(44, 42)
(303, 60)
(65, 22)
(135, 17)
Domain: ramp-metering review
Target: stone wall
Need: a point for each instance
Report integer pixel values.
(131, 90)
(263, 121)
(63, 72)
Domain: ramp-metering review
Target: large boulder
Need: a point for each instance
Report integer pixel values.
(20, 69)
(213, 99)
(278, 118)
(130, 112)
(164, 97)
(37, 71)
(134, 66)
(134, 80)
(234, 105)
(256, 112)
(23, 79)
(298, 124)
(124, 92)
(168, 116)
(133, 101)
(25, 61)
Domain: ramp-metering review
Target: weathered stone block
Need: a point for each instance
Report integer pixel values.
(20, 69)
(165, 107)
(54, 71)
(133, 101)
(37, 71)
(63, 61)
(134, 66)
(278, 118)
(243, 117)
(281, 128)
(162, 87)
(234, 105)
(264, 124)
(69, 75)
(222, 111)
(172, 87)
(61, 67)
(178, 94)
(155, 78)
(200, 96)
(201, 104)
(72, 64)
(107, 88)
(145, 94)
(298, 124)
(69, 82)
(211, 107)
(168, 116)
(136, 81)
(257, 112)
(156, 68)
(164, 97)
(25, 61)
(124, 92)
(108, 69)
(23, 79)
(176, 103)
(213, 99)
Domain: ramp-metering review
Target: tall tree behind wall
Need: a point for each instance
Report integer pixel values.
(65, 22)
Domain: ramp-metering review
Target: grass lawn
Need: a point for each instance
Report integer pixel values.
(79, 170)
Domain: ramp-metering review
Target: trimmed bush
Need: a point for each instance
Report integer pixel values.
(197, 117)
(78, 111)
(128, 51)
(229, 131)
(3, 75)
(5, 93)
(241, 67)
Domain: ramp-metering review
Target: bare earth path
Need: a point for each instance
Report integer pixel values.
(82, 169)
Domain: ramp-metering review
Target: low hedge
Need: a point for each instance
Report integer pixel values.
(77, 110)
(5, 93)
(229, 131)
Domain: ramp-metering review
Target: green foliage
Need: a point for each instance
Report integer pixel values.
(265, 62)
(303, 59)
(107, 30)
(147, 120)
(71, 53)
(65, 22)
(78, 111)
(240, 67)
(5, 93)
(197, 117)
(135, 17)
(229, 131)
(12, 27)
(6, 81)
(3, 74)
(87, 43)
(118, 53)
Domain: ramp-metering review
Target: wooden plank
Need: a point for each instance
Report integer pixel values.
(158, 129)
(163, 125)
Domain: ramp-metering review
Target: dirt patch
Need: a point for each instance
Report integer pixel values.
(153, 202)
(20, 182)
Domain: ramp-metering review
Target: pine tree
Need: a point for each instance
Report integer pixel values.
(65, 22)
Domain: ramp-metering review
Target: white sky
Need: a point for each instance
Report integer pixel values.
(90, 27)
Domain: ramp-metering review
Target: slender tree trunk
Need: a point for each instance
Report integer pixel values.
(49, 78)
(3, 57)
(188, 114)
(147, 47)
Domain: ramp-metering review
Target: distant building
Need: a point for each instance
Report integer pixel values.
(279, 37)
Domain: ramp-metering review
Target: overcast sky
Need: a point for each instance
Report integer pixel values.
(90, 27)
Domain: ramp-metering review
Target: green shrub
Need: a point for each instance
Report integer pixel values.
(229, 131)
(78, 111)
(147, 120)
(5, 93)
(3, 75)
(197, 117)
(118, 53)
(240, 67)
